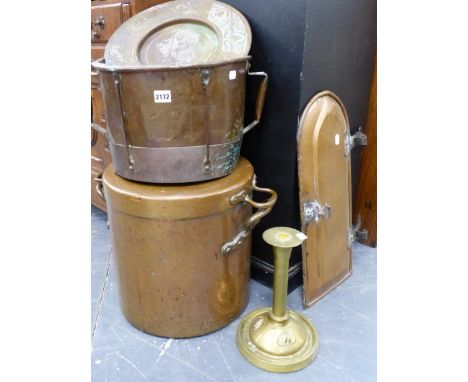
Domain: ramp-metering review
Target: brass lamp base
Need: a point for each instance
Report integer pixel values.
(277, 346)
(278, 339)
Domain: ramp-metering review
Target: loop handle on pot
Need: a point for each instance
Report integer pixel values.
(100, 129)
(99, 186)
(260, 99)
(263, 209)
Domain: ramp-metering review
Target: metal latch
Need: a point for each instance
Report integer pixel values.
(358, 139)
(355, 234)
(315, 210)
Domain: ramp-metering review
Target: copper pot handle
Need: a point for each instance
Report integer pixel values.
(263, 209)
(94, 137)
(99, 186)
(99, 129)
(260, 99)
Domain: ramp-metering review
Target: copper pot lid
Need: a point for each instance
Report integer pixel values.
(181, 201)
(180, 33)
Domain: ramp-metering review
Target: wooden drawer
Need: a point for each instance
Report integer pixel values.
(94, 79)
(99, 150)
(106, 18)
(97, 51)
(141, 5)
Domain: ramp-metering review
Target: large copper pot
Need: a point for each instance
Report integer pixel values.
(183, 251)
(177, 124)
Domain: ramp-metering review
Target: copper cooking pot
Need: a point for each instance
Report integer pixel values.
(176, 124)
(183, 251)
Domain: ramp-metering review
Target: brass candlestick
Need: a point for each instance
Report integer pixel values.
(277, 339)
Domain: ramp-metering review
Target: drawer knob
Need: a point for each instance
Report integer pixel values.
(98, 25)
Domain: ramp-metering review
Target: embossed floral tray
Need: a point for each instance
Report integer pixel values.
(180, 33)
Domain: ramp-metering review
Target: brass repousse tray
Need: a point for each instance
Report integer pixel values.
(180, 33)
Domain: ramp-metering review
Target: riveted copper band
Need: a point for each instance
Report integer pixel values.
(175, 164)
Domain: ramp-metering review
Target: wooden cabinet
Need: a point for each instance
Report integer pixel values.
(366, 200)
(106, 17)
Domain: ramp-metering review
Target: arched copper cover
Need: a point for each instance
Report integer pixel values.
(325, 194)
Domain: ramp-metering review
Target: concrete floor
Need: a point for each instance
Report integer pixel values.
(345, 320)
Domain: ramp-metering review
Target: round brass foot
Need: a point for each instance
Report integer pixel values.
(278, 346)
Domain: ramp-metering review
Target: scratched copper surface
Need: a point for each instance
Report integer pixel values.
(345, 320)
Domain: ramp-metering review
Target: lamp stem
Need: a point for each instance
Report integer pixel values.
(280, 283)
